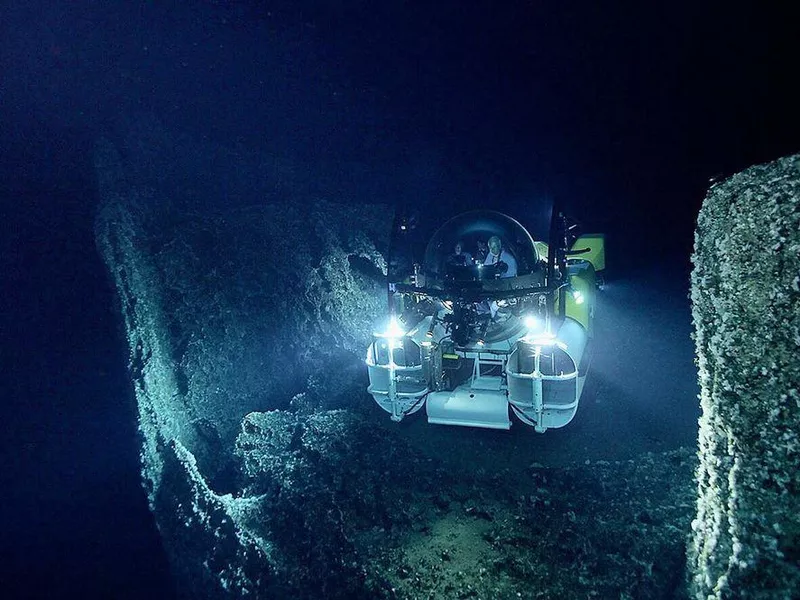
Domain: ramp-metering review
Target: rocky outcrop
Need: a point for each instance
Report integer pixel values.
(746, 309)
(229, 312)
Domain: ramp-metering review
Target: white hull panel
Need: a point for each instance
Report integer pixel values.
(469, 407)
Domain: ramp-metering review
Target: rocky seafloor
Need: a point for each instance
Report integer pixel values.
(602, 529)
(348, 490)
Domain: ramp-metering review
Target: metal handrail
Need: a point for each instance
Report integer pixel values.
(371, 363)
(372, 390)
(539, 375)
(545, 406)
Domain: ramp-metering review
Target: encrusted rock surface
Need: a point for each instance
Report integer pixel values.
(746, 310)
(225, 315)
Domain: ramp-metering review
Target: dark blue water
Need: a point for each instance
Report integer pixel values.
(74, 517)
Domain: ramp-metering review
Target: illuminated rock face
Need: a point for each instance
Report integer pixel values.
(227, 314)
(746, 309)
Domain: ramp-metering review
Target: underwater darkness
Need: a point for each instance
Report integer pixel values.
(623, 114)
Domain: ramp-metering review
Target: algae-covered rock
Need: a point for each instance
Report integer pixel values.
(746, 310)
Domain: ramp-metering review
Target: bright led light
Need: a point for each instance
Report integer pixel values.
(531, 322)
(577, 296)
(393, 330)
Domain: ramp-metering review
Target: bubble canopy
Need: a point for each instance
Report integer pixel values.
(457, 251)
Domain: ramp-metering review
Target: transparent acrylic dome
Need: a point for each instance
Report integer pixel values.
(473, 231)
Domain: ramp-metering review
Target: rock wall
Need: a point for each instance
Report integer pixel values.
(746, 309)
(264, 307)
